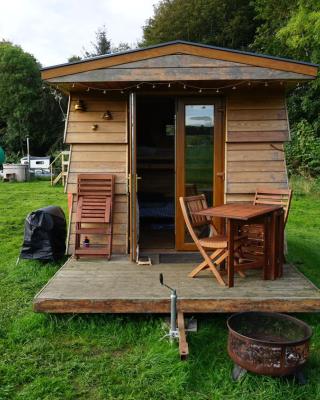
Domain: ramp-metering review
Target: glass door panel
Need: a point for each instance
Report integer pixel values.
(199, 157)
(199, 123)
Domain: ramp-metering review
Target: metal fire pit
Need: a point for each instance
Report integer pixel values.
(268, 343)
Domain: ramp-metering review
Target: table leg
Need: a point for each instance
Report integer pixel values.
(266, 247)
(280, 254)
(223, 232)
(273, 246)
(230, 238)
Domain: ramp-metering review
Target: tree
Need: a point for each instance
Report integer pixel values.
(271, 16)
(101, 46)
(74, 58)
(292, 28)
(27, 106)
(228, 23)
(122, 46)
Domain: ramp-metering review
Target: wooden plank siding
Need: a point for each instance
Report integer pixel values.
(256, 128)
(104, 150)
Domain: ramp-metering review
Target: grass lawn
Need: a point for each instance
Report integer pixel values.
(119, 357)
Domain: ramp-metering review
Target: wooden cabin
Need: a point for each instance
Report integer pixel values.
(175, 119)
(167, 121)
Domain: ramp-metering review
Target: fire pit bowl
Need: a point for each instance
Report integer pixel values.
(268, 343)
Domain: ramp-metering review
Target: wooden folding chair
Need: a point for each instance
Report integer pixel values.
(95, 196)
(213, 242)
(254, 244)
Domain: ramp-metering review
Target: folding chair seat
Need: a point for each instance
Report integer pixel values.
(215, 243)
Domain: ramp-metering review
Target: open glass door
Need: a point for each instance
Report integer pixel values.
(132, 182)
(199, 157)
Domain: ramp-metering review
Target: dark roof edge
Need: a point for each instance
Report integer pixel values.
(181, 42)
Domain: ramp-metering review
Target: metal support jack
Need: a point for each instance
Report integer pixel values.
(177, 323)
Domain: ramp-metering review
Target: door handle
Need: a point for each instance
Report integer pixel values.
(220, 175)
(137, 179)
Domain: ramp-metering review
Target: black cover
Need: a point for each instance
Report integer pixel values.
(45, 234)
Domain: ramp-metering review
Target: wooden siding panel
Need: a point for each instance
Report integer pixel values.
(178, 73)
(256, 100)
(258, 136)
(254, 155)
(178, 60)
(256, 114)
(255, 166)
(257, 176)
(107, 155)
(251, 187)
(102, 126)
(98, 103)
(90, 137)
(257, 126)
(80, 127)
(95, 116)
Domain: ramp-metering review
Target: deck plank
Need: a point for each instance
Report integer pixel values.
(118, 286)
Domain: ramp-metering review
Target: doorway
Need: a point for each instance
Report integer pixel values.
(176, 149)
(155, 163)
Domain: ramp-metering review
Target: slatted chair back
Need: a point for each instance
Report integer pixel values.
(97, 185)
(274, 197)
(95, 198)
(194, 204)
(93, 210)
(189, 206)
(188, 221)
(94, 214)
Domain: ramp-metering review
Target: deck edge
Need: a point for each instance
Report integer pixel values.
(186, 306)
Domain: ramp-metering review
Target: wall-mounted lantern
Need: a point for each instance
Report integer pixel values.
(79, 106)
(107, 115)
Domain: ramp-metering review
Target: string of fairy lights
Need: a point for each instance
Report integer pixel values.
(183, 85)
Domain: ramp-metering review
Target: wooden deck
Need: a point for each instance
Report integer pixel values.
(118, 286)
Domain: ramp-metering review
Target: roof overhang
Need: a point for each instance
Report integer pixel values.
(105, 67)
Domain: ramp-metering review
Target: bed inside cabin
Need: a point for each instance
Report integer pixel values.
(156, 167)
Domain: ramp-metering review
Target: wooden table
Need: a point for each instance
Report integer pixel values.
(272, 219)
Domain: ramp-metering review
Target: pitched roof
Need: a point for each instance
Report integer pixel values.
(180, 47)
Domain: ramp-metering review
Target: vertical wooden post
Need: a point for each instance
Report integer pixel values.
(183, 344)
(230, 238)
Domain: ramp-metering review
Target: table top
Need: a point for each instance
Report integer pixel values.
(242, 211)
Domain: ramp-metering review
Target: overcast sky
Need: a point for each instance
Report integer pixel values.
(53, 30)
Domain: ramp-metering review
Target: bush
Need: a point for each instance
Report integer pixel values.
(303, 152)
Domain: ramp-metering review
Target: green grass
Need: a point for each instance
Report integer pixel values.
(122, 357)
